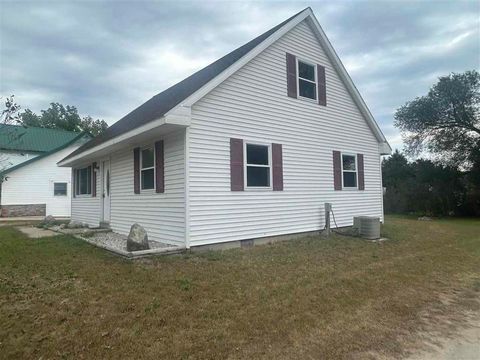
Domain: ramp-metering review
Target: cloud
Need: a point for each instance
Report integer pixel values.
(107, 58)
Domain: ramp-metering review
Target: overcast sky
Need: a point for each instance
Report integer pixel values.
(108, 57)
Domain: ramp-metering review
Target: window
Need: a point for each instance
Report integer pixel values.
(83, 181)
(307, 83)
(349, 171)
(257, 165)
(59, 189)
(147, 169)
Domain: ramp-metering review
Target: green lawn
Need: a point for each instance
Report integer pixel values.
(307, 298)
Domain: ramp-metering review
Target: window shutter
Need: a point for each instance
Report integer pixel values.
(337, 170)
(73, 189)
(291, 75)
(236, 164)
(361, 172)
(322, 88)
(159, 167)
(136, 170)
(94, 180)
(277, 167)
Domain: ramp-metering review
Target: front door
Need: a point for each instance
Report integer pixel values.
(106, 190)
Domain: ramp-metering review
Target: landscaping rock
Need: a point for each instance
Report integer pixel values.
(49, 220)
(424, 218)
(87, 233)
(74, 224)
(137, 238)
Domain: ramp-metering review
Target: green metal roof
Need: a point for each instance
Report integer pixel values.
(82, 136)
(35, 139)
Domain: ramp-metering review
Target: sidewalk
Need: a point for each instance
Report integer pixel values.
(30, 218)
(21, 218)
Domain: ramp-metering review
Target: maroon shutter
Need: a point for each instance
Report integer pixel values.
(136, 170)
(291, 75)
(159, 167)
(94, 180)
(361, 172)
(277, 167)
(322, 88)
(236, 164)
(73, 189)
(337, 170)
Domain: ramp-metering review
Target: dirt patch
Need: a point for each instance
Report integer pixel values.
(448, 329)
(463, 345)
(35, 233)
(453, 332)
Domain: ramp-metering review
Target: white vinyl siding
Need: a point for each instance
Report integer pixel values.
(34, 184)
(86, 208)
(162, 214)
(253, 104)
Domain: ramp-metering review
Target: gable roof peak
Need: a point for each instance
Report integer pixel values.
(193, 87)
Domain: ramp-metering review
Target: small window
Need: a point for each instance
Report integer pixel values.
(59, 189)
(307, 83)
(258, 165)
(147, 171)
(83, 181)
(349, 171)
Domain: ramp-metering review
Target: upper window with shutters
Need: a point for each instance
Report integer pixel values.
(306, 80)
(147, 170)
(307, 83)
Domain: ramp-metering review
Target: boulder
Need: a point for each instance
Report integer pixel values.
(74, 224)
(49, 220)
(137, 238)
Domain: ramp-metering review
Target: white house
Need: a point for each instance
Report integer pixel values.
(32, 183)
(251, 146)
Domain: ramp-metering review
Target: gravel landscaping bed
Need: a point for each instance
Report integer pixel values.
(118, 241)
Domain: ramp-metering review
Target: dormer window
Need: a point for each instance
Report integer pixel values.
(307, 84)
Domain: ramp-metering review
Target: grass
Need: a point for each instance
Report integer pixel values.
(308, 298)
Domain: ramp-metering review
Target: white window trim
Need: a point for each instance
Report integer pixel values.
(352, 171)
(314, 82)
(77, 182)
(257, 188)
(152, 190)
(60, 182)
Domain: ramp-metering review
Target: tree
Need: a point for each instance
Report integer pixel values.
(424, 187)
(437, 189)
(446, 121)
(58, 116)
(9, 116)
(397, 179)
(94, 127)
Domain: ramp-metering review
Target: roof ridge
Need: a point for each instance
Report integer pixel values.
(41, 128)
